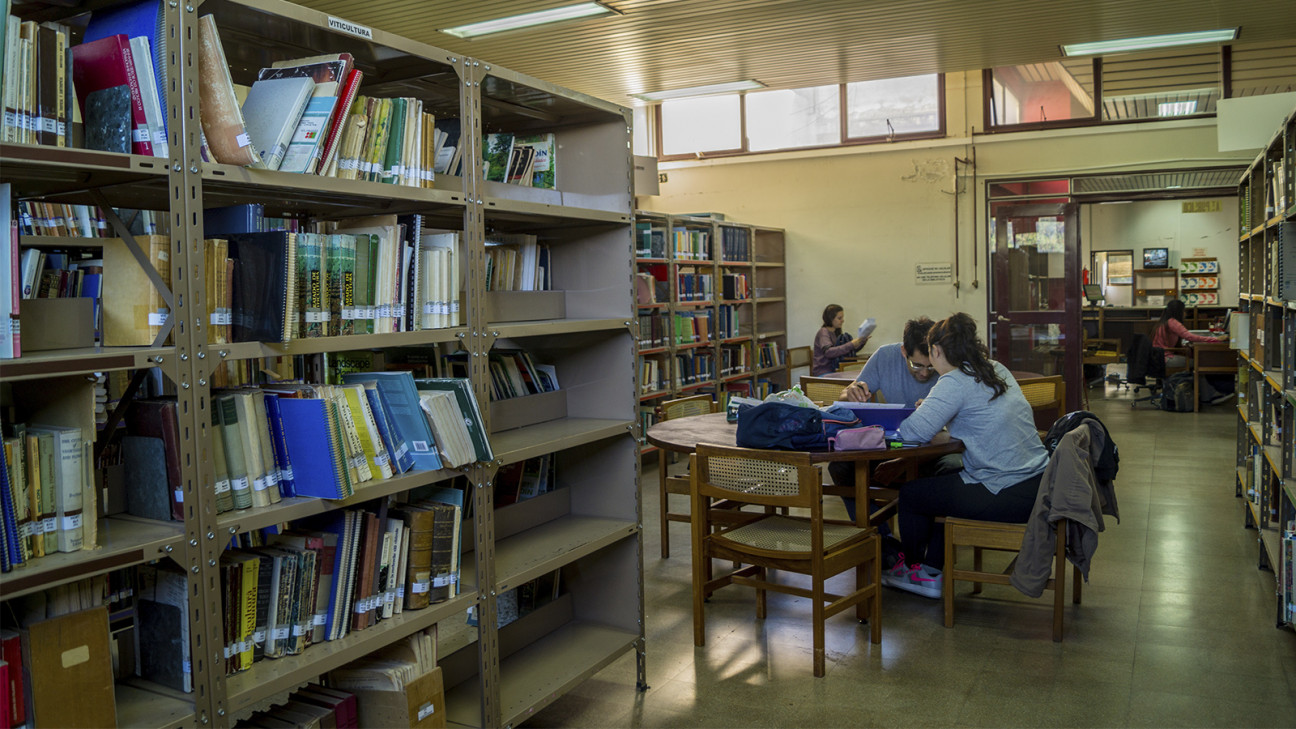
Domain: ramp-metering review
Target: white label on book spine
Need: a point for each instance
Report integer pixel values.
(49, 525)
(346, 26)
(259, 484)
(320, 618)
(239, 484)
(420, 587)
(272, 479)
(425, 711)
(348, 313)
(385, 310)
(71, 522)
(259, 636)
(419, 446)
(380, 459)
(280, 633)
(400, 452)
(430, 307)
(316, 317)
(140, 134)
(157, 318)
(179, 496)
(222, 486)
(442, 580)
(298, 631)
(400, 593)
(215, 318)
(389, 597)
(359, 608)
(245, 646)
(24, 530)
(243, 140)
(38, 527)
(48, 125)
(62, 129)
(229, 651)
(287, 474)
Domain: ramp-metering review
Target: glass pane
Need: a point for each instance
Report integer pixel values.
(1037, 349)
(1043, 92)
(1165, 83)
(640, 143)
(793, 118)
(705, 124)
(911, 104)
(1035, 250)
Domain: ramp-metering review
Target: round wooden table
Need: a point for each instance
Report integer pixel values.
(682, 435)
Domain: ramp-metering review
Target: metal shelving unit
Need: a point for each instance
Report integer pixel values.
(588, 528)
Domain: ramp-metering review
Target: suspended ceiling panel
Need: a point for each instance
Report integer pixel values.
(1179, 182)
(653, 45)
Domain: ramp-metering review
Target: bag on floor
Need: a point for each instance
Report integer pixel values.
(787, 427)
(1177, 393)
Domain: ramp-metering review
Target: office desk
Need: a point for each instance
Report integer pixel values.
(683, 434)
(1210, 358)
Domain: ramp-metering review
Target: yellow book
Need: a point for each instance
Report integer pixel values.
(250, 443)
(381, 122)
(370, 440)
(31, 461)
(336, 445)
(345, 162)
(248, 612)
(357, 465)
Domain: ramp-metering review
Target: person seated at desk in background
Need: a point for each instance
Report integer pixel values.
(902, 373)
(831, 344)
(1003, 457)
(1168, 333)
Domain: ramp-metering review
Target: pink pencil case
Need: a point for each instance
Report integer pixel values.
(867, 438)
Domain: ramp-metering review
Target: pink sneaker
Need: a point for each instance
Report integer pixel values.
(917, 578)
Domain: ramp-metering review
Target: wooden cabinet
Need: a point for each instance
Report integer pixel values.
(1155, 286)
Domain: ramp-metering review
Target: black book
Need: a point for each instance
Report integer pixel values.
(263, 299)
(108, 120)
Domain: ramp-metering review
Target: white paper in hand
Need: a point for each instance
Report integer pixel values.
(866, 327)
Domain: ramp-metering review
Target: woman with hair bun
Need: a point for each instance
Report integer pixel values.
(1003, 456)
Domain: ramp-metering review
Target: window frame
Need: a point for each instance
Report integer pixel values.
(744, 151)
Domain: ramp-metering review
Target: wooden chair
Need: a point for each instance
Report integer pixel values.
(997, 536)
(823, 390)
(808, 545)
(1047, 398)
(668, 410)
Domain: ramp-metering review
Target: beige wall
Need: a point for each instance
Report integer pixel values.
(859, 219)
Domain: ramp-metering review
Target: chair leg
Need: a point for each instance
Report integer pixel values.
(1059, 580)
(1076, 581)
(947, 579)
(976, 565)
(760, 594)
(817, 615)
(663, 463)
(875, 604)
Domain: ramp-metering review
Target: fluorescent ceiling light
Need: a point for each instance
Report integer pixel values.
(710, 90)
(1176, 108)
(526, 20)
(1146, 42)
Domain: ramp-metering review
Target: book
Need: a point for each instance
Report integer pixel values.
(157, 418)
(222, 487)
(154, 113)
(544, 169)
(401, 397)
(163, 626)
(372, 446)
(497, 150)
(224, 132)
(271, 112)
(393, 441)
(341, 112)
(133, 310)
(13, 685)
(141, 18)
(145, 462)
(867, 327)
(105, 64)
(329, 73)
(314, 448)
(235, 461)
(67, 651)
(10, 278)
(467, 406)
(69, 486)
(279, 443)
(263, 301)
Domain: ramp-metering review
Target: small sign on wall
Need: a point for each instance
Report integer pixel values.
(1202, 206)
(934, 273)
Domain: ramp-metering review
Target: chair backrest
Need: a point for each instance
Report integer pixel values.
(752, 476)
(1144, 360)
(799, 356)
(686, 406)
(823, 390)
(1047, 398)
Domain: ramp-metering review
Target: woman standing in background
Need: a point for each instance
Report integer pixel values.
(831, 344)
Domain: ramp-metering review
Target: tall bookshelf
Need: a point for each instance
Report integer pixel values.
(588, 529)
(729, 274)
(1265, 335)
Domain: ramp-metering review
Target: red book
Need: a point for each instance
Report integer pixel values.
(11, 653)
(341, 110)
(106, 63)
(4, 696)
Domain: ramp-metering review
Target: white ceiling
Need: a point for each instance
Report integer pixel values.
(654, 45)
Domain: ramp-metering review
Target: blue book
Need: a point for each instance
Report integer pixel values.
(396, 446)
(248, 218)
(402, 401)
(274, 416)
(12, 552)
(142, 18)
(313, 449)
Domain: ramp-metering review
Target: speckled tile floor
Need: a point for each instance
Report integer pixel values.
(1176, 628)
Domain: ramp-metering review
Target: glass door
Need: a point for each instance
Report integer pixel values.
(1035, 292)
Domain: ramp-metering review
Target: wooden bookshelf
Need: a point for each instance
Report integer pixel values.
(588, 528)
(743, 301)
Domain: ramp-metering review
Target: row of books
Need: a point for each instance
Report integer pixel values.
(648, 290)
(770, 354)
(344, 572)
(55, 275)
(650, 240)
(694, 287)
(654, 329)
(60, 219)
(517, 262)
(691, 244)
(311, 707)
(693, 367)
(693, 326)
(734, 360)
(728, 324)
(526, 160)
(46, 504)
(523, 480)
(514, 374)
(735, 287)
(654, 375)
(735, 244)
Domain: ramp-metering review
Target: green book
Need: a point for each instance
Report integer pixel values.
(366, 269)
(497, 149)
(341, 264)
(311, 291)
(394, 156)
(235, 465)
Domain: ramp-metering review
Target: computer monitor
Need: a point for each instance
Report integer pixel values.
(1156, 258)
(1094, 293)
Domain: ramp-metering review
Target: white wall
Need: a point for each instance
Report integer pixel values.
(858, 219)
(1163, 224)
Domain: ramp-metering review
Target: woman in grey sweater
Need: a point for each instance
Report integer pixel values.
(1002, 462)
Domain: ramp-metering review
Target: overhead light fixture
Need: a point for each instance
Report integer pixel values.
(1143, 43)
(709, 90)
(526, 20)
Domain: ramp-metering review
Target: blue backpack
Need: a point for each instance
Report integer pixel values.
(782, 426)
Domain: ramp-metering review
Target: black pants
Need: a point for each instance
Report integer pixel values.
(843, 474)
(923, 500)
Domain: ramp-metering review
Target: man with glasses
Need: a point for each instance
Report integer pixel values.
(902, 374)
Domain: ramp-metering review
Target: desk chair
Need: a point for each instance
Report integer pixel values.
(668, 410)
(1146, 368)
(798, 357)
(823, 390)
(808, 545)
(1047, 398)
